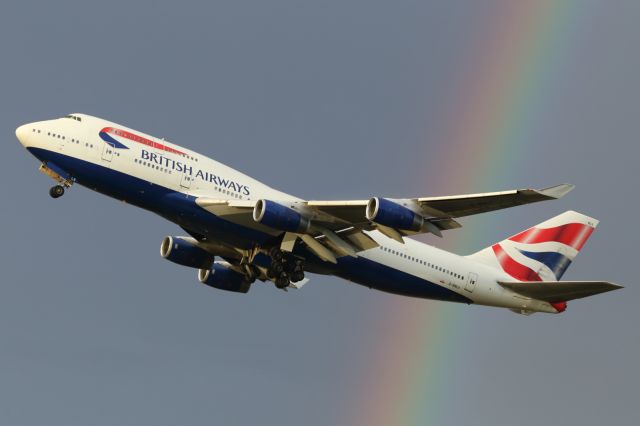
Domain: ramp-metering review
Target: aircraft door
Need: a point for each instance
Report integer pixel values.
(185, 180)
(107, 152)
(472, 280)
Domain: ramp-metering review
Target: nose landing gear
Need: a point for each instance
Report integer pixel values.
(56, 191)
(64, 180)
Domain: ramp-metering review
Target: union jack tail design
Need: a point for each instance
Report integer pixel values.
(541, 253)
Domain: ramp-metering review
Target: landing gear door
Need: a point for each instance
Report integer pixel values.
(472, 280)
(107, 152)
(185, 181)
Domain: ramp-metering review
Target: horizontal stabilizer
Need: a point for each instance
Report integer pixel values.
(559, 291)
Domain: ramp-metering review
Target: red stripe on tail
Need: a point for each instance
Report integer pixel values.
(572, 234)
(513, 268)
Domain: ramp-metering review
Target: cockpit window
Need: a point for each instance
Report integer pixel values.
(73, 117)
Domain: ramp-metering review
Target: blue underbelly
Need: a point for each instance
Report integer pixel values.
(182, 209)
(174, 206)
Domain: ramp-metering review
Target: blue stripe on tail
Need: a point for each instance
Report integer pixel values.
(557, 262)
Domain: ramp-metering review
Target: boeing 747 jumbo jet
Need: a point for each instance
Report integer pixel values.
(259, 233)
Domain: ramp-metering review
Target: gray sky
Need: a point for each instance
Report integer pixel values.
(325, 100)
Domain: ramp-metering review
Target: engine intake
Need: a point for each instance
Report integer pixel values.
(388, 213)
(222, 277)
(184, 251)
(279, 217)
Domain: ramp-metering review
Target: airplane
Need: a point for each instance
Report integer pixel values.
(240, 230)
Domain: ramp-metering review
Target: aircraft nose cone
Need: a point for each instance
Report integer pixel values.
(22, 133)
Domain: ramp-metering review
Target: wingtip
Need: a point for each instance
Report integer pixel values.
(616, 286)
(558, 191)
(609, 286)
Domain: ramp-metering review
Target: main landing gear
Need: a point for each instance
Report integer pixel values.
(56, 191)
(285, 268)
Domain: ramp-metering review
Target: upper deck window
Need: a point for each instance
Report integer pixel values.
(73, 117)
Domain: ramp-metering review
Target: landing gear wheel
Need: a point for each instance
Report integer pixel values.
(282, 281)
(56, 191)
(297, 276)
(285, 268)
(271, 273)
(276, 254)
(277, 268)
(290, 267)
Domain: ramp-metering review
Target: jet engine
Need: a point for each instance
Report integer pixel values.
(222, 277)
(185, 251)
(277, 216)
(389, 213)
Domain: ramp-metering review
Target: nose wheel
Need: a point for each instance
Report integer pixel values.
(56, 191)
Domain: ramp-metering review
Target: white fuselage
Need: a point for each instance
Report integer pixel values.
(156, 163)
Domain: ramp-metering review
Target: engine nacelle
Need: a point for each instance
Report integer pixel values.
(185, 251)
(222, 277)
(391, 214)
(279, 217)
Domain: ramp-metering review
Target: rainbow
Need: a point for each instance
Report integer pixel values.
(493, 111)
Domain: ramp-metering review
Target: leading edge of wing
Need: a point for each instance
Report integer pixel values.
(552, 192)
(470, 204)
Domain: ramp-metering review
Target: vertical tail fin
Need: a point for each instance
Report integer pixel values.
(541, 253)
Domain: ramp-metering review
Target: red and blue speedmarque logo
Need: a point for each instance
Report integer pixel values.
(107, 132)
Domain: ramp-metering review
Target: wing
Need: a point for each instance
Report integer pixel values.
(339, 228)
(434, 214)
(450, 206)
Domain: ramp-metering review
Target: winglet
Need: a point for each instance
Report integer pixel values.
(557, 191)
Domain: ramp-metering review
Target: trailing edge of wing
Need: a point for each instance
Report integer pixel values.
(320, 250)
(559, 291)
